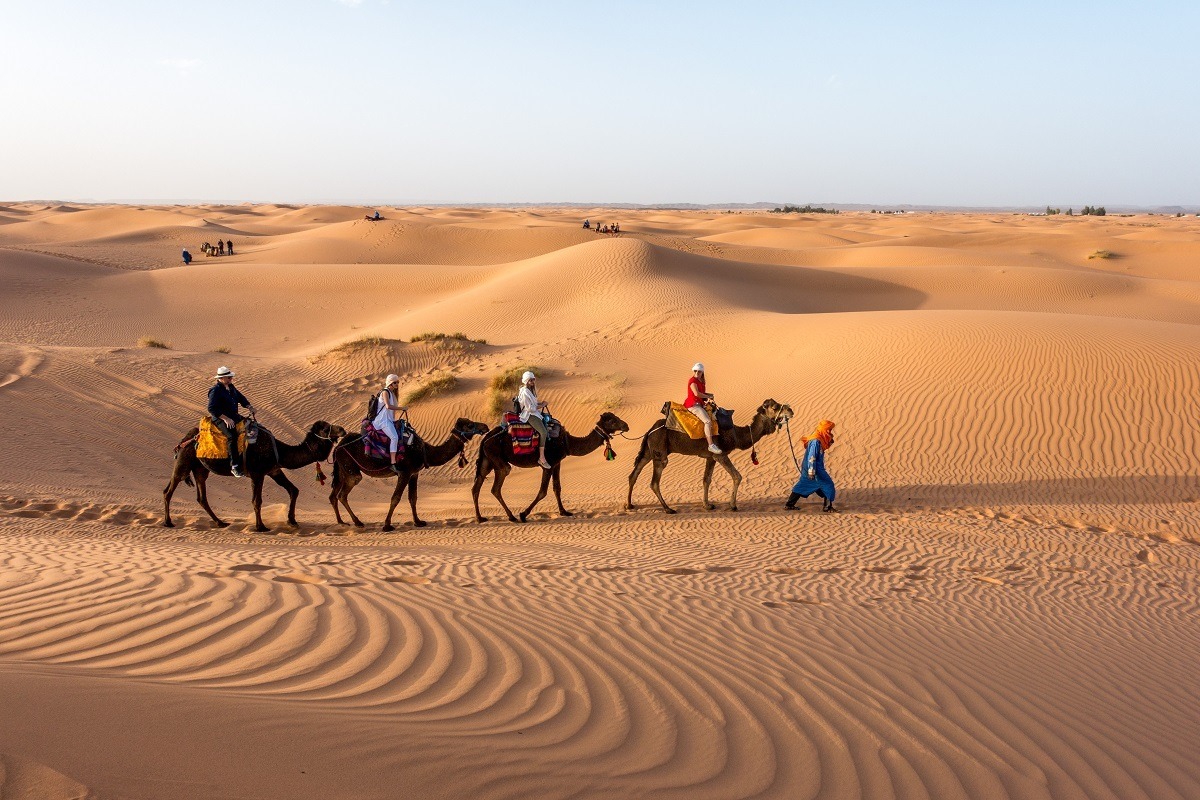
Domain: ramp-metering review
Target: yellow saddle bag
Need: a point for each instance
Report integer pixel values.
(682, 420)
(211, 443)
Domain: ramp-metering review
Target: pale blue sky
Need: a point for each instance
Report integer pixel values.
(965, 103)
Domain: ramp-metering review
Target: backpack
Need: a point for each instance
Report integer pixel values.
(373, 406)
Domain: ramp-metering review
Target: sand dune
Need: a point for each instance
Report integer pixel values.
(1005, 607)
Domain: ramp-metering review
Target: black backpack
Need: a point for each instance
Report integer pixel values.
(373, 406)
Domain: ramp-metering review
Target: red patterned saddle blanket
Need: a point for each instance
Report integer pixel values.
(524, 438)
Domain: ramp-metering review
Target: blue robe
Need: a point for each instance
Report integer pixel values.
(822, 485)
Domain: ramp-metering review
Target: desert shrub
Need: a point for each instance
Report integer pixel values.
(150, 341)
(1102, 254)
(223, 349)
(364, 342)
(437, 385)
(459, 336)
(503, 386)
(805, 209)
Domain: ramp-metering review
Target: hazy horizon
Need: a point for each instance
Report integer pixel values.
(371, 101)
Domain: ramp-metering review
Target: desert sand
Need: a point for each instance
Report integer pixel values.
(1005, 608)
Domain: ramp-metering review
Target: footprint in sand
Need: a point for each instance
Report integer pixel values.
(881, 570)
(409, 579)
(679, 571)
(606, 569)
(989, 579)
(787, 570)
(829, 570)
(299, 577)
(404, 562)
(251, 567)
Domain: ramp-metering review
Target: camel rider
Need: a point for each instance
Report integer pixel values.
(696, 398)
(385, 417)
(223, 402)
(531, 413)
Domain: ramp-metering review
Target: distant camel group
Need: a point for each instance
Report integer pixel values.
(269, 457)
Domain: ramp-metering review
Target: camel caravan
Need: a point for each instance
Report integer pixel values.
(386, 446)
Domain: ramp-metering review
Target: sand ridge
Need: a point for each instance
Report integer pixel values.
(1005, 607)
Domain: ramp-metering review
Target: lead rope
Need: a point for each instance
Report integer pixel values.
(796, 461)
(609, 453)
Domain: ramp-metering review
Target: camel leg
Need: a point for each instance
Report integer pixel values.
(556, 474)
(708, 472)
(654, 481)
(344, 495)
(633, 476)
(201, 478)
(176, 477)
(401, 485)
(497, 487)
(335, 489)
(292, 491)
(541, 493)
(737, 479)
(257, 500)
(482, 467)
(412, 501)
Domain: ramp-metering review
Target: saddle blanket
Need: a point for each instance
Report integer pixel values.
(682, 420)
(525, 439)
(376, 443)
(211, 443)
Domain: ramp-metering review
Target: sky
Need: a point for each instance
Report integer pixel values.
(969, 103)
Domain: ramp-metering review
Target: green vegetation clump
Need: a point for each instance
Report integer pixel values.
(150, 341)
(1102, 254)
(503, 386)
(440, 384)
(223, 349)
(458, 336)
(365, 342)
(805, 209)
(1096, 211)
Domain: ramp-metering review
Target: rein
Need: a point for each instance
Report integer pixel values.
(609, 453)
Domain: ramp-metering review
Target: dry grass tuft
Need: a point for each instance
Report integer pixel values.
(438, 385)
(150, 341)
(458, 336)
(503, 386)
(223, 349)
(1103, 254)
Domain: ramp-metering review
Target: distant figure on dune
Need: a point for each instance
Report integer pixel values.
(587, 224)
(813, 477)
(220, 247)
(373, 217)
(229, 247)
(697, 398)
(187, 257)
(616, 228)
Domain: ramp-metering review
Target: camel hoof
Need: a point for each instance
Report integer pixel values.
(358, 523)
(524, 516)
(711, 507)
(420, 523)
(511, 518)
(630, 507)
(566, 513)
(220, 523)
(671, 511)
(481, 519)
(388, 528)
(293, 523)
(262, 529)
(733, 508)
(168, 524)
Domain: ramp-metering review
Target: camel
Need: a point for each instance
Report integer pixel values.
(660, 442)
(350, 463)
(266, 457)
(495, 453)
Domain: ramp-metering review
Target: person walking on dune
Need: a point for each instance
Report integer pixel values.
(187, 257)
(385, 417)
(697, 396)
(531, 414)
(813, 477)
(223, 402)
(229, 247)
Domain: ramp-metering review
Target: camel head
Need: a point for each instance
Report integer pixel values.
(323, 430)
(777, 414)
(467, 429)
(610, 423)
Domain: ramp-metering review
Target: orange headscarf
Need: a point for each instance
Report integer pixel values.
(823, 434)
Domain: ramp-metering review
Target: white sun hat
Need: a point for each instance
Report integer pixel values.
(698, 367)
(390, 379)
(527, 377)
(224, 372)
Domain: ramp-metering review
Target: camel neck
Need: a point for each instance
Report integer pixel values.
(438, 454)
(292, 456)
(582, 445)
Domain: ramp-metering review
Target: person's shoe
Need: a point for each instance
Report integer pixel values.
(543, 463)
(396, 469)
(237, 472)
(829, 509)
(791, 501)
(712, 448)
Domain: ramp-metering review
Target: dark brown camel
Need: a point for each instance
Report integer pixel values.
(496, 453)
(660, 442)
(350, 463)
(266, 457)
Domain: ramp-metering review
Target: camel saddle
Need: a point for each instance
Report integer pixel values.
(525, 439)
(211, 443)
(681, 419)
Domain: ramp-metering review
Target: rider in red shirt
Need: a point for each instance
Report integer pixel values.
(696, 397)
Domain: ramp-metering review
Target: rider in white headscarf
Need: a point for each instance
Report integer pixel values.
(531, 412)
(385, 417)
